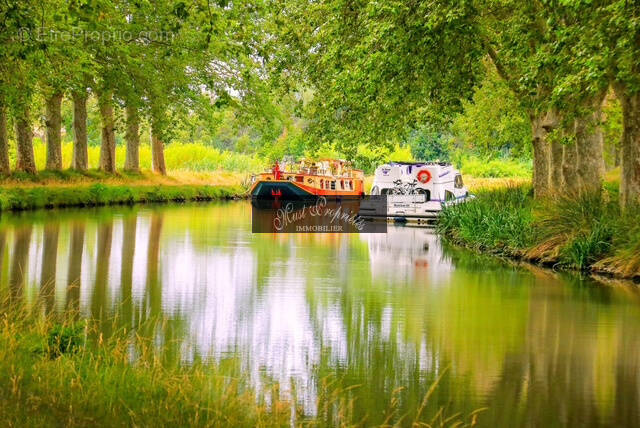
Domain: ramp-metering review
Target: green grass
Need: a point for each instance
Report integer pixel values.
(97, 194)
(496, 168)
(56, 370)
(498, 221)
(589, 233)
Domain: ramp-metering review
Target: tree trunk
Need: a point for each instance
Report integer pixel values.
(590, 146)
(572, 183)
(132, 136)
(541, 126)
(5, 168)
(80, 149)
(24, 141)
(630, 149)
(108, 145)
(157, 152)
(557, 177)
(53, 123)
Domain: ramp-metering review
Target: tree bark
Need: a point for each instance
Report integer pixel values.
(557, 177)
(108, 145)
(132, 136)
(53, 123)
(590, 147)
(157, 152)
(630, 149)
(24, 140)
(80, 149)
(572, 183)
(5, 167)
(541, 126)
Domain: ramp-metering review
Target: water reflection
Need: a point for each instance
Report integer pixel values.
(381, 311)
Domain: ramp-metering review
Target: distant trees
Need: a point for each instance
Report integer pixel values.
(148, 59)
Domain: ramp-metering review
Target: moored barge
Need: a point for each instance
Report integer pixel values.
(331, 178)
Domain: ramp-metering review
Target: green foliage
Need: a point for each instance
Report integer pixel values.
(427, 143)
(376, 68)
(612, 130)
(493, 124)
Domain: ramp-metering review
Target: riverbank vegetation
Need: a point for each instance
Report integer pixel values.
(589, 233)
(56, 371)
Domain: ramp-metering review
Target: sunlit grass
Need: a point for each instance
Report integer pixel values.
(178, 157)
(56, 369)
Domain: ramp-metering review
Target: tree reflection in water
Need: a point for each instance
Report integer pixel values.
(379, 311)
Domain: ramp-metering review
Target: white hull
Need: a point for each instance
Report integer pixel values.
(407, 208)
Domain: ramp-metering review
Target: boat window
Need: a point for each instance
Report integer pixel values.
(458, 182)
(333, 185)
(385, 191)
(322, 184)
(299, 178)
(425, 192)
(342, 184)
(448, 196)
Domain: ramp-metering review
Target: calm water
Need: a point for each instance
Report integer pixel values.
(379, 311)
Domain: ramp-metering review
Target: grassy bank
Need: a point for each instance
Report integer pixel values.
(56, 372)
(93, 188)
(589, 233)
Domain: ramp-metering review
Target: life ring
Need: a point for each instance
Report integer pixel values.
(424, 176)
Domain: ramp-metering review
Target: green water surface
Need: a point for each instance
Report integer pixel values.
(381, 311)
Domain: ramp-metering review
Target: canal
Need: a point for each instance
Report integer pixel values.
(385, 314)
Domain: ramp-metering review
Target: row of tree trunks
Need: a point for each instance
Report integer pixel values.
(132, 137)
(80, 150)
(108, 146)
(571, 163)
(24, 140)
(630, 147)
(53, 123)
(5, 168)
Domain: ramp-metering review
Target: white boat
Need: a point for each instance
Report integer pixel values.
(416, 191)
